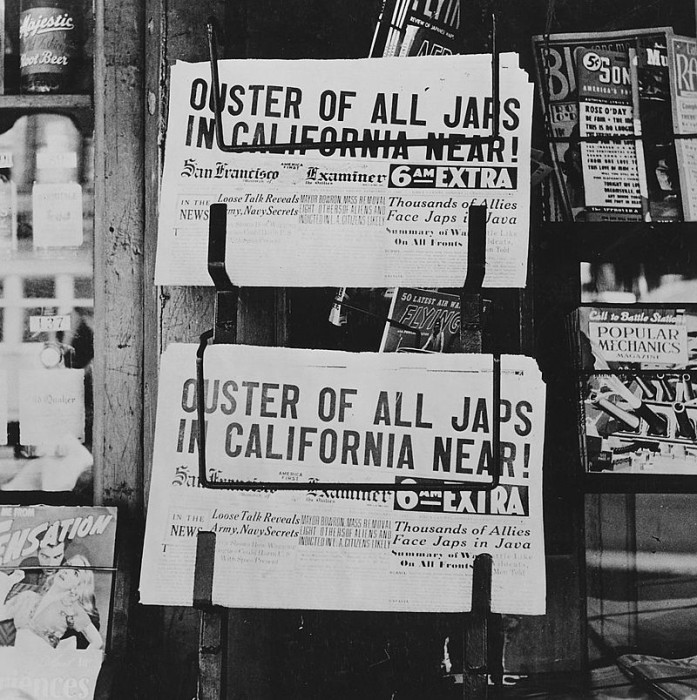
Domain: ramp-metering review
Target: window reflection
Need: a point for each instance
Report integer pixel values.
(641, 575)
(628, 283)
(46, 310)
(38, 287)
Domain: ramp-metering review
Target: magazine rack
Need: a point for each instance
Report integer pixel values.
(559, 250)
(639, 137)
(478, 664)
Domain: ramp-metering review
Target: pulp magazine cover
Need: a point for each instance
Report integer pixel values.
(432, 321)
(637, 377)
(56, 574)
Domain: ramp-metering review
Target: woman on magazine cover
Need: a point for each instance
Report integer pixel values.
(43, 615)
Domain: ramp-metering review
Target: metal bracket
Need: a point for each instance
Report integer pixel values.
(453, 139)
(231, 485)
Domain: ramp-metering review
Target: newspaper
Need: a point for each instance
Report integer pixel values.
(433, 319)
(55, 598)
(283, 414)
(362, 216)
(682, 57)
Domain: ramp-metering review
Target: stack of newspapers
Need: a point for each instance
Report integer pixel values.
(620, 111)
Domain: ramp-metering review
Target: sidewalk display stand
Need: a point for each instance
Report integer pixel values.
(483, 651)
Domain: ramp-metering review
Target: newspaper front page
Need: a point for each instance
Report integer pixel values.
(282, 414)
(364, 215)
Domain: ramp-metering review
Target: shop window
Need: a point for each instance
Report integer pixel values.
(46, 270)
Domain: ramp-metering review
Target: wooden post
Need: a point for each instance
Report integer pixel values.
(118, 275)
(470, 295)
(475, 664)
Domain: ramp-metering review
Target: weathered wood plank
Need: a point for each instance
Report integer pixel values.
(119, 200)
(118, 338)
(154, 125)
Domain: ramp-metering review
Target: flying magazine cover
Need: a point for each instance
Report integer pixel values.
(429, 321)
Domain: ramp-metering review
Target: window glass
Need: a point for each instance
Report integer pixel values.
(46, 306)
(641, 575)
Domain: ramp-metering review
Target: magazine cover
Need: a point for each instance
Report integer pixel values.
(682, 63)
(417, 28)
(555, 58)
(432, 317)
(656, 118)
(637, 378)
(610, 166)
(56, 574)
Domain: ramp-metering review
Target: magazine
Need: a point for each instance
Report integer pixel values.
(56, 575)
(556, 57)
(682, 63)
(637, 379)
(656, 119)
(432, 321)
(418, 28)
(610, 168)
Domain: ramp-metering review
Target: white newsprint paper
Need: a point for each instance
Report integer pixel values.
(282, 414)
(360, 214)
